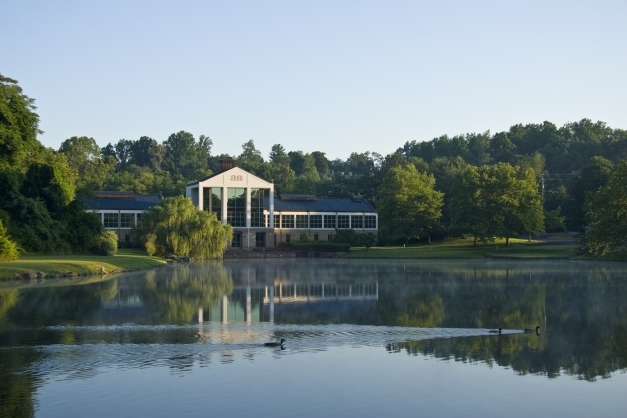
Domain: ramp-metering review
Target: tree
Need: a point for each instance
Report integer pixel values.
(250, 159)
(606, 210)
(591, 177)
(410, 206)
(19, 124)
(497, 201)
(84, 156)
(9, 250)
(185, 156)
(322, 164)
(146, 152)
(175, 226)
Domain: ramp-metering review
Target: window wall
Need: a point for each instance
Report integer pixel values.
(110, 220)
(343, 221)
(329, 221)
(315, 221)
(256, 207)
(212, 200)
(127, 220)
(236, 207)
(302, 221)
(370, 222)
(287, 221)
(357, 221)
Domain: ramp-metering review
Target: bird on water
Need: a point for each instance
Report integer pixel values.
(496, 331)
(529, 331)
(275, 344)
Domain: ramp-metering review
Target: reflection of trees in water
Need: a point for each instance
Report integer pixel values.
(585, 334)
(17, 388)
(176, 296)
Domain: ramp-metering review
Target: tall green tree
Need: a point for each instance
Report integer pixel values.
(84, 156)
(185, 156)
(175, 226)
(19, 124)
(607, 211)
(586, 182)
(250, 159)
(497, 201)
(409, 206)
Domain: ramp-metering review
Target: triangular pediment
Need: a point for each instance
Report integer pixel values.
(235, 177)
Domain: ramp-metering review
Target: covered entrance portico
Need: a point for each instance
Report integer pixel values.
(237, 197)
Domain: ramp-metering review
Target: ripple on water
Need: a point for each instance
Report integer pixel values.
(131, 346)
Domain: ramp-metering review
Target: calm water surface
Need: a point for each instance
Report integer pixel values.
(364, 338)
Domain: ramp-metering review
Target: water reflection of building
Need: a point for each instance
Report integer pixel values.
(266, 303)
(259, 294)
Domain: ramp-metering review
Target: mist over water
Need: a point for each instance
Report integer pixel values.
(187, 338)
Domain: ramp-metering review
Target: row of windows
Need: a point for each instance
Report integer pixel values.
(303, 237)
(328, 221)
(121, 220)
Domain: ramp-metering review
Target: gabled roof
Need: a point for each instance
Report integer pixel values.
(219, 173)
(121, 201)
(210, 177)
(331, 204)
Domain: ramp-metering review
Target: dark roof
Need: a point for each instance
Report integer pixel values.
(331, 204)
(121, 201)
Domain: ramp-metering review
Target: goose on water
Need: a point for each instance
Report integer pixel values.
(496, 331)
(275, 344)
(529, 331)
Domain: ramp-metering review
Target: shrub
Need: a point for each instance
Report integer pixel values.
(9, 250)
(106, 244)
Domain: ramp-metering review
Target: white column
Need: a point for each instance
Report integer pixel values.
(225, 307)
(224, 202)
(248, 305)
(272, 303)
(200, 312)
(201, 201)
(271, 218)
(248, 209)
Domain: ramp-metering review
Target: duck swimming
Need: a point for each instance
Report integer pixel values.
(529, 331)
(496, 331)
(275, 344)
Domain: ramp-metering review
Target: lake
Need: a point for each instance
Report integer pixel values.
(363, 338)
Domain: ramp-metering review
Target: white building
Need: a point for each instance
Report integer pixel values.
(259, 219)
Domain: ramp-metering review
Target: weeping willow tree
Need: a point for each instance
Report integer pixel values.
(177, 227)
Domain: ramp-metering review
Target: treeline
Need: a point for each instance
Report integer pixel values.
(568, 165)
(38, 210)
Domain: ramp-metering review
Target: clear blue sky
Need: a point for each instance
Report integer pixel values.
(334, 76)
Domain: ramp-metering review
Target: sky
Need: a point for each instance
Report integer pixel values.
(332, 76)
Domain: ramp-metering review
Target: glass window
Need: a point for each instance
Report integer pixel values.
(127, 220)
(315, 221)
(110, 220)
(287, 237)
(140, 219)
(330, 237)
(329, 221)
(256, 207)
(287, 221)
(236, 207)
(302, 221)
(260, 239)
(237, 240)
(343, 221)
(357, 221)
(370, 222)
(212, 200)
(315, 237)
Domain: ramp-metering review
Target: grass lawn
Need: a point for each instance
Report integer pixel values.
(463, 248)
(125, 259)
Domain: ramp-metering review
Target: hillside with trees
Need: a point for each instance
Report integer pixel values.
(528, 179)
